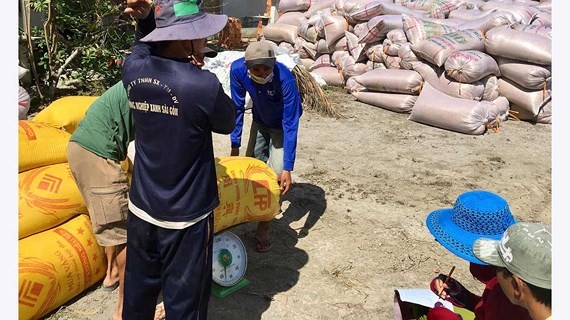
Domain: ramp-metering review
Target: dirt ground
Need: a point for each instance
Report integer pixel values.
(352, 229)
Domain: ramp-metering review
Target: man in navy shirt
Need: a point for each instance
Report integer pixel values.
(276, 112)
(175, 106)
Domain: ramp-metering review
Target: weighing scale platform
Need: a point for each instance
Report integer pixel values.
(222, 292)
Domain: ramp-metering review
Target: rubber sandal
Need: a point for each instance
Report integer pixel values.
(111, 287)
(263, 245)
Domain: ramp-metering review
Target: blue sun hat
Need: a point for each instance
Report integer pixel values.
(475, 214)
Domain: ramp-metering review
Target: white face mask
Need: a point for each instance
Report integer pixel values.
(260, 80)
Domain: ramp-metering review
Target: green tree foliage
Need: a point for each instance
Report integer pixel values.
(81, 46)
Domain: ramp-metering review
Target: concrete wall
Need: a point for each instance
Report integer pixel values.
(245, 8)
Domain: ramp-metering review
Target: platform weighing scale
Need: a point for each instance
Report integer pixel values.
(229, 264)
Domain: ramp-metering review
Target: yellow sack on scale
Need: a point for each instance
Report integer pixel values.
(248, 191)
(56, 265)
(48, 196)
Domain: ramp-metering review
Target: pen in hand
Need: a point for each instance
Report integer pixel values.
(445, 282)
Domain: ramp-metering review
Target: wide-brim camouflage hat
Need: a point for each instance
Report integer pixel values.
(525, 249)
(184, 20)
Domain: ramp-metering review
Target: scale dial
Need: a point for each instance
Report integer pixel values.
(229, 259)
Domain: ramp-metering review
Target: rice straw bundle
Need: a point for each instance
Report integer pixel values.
(313, 98)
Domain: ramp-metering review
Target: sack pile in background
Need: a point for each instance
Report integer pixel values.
(461, 65)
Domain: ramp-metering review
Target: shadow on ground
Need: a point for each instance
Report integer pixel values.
(278, 270)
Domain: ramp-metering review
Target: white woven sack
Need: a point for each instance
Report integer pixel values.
(341, 6)
(527, 75)
(426, 5)
(519, 45)
(450, 22)
(530, 100)
(418, 29)
(491, 88)
(344, 61)
(396, 9)
(341, 45)
(307, 63)
(337, 56)
(443, 10)
(354, 70)
(391, 62)
(545, 5)
(468, 14)
(437, 49)
(407, 57)
(322, 61)
(280, 32)
(394, 39)
(335, 27)
(293, 5)
(371, 65)
(440, 110)
(376, 28)
(493, 20)
(352, 85)
(470, 66)
(522, 12)
(317, 5)
(543, 18)
(323, 48)
(499, 111)
(536, 29)
(287, 46)
(331, 75)
(23, 103)
(544, 114)
(392, 81)
(374, 53)
(401, 103)
(308, 31)
(305, 49)
(437, 78)
(356, 49)
(292, 18)
(363, 11)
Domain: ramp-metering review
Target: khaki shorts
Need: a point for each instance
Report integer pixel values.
(266, 144)
(104, 187)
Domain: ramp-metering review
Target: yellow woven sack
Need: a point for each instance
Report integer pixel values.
(40, 145)
(65, 112)
(248, 191)
(56, 265)
(48, 196)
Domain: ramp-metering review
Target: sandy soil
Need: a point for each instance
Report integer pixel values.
(353, 227)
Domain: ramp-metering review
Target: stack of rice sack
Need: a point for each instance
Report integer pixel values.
(58, 255)
(458, 65)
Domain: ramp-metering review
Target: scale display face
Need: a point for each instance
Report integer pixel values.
(229, 259)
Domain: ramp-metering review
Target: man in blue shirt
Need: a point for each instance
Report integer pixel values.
(175, 106)
(276, 112)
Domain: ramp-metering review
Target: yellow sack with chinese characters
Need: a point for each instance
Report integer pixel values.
(48, 196)
(56, 265)
(65, 112)
(248, 191)
(40, 144)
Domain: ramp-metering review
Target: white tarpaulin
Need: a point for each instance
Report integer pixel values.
(220, 66)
